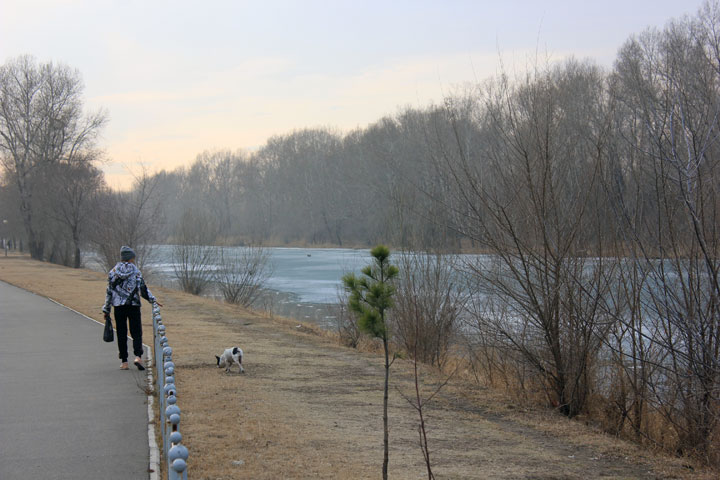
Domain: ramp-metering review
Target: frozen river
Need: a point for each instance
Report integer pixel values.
(305, 282)
(309, 275)
(314, 275)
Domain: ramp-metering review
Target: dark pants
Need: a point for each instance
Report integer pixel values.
(123, 315)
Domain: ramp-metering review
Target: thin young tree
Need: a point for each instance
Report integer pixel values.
(416, 310)
(128, 218)
(194, 254)
(243, 273)
(371, 296)
(430, 298)
(664, 184)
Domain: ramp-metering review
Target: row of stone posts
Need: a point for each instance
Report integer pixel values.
(174, 452)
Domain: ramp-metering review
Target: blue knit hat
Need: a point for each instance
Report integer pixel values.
(126, 253)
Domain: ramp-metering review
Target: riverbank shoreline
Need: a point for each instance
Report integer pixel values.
(309, 408)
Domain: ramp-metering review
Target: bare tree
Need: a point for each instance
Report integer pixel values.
(420, 404)
(669, 111)
(243, 273)
(417, 401)
(41, 123)
(73, 189)
(349, 333)
(431, 296)
(193, 254)
(531, 196)
(128, 218)
(10, 220)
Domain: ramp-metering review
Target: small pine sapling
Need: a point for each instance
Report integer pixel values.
(371, 296)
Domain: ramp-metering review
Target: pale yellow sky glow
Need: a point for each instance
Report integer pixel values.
(232, 119)
(178, 77)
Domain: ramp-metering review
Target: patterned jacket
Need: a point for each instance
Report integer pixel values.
(125, 287)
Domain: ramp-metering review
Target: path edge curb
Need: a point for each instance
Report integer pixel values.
(154, 451)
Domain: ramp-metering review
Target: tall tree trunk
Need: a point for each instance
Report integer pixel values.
(385, 411)
(76, 261)
(76, 244)
(35, 245)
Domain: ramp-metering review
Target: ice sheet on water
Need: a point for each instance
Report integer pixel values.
(311, 275)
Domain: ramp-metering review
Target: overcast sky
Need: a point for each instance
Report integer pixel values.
(180, 77)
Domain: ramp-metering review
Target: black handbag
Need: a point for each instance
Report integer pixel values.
(108, 334)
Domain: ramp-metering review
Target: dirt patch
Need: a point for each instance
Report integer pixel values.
(309, 408)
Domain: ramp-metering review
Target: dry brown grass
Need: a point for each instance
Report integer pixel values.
(309, 408)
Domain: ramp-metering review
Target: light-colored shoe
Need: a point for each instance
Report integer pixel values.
(124, 366)
(139, 363)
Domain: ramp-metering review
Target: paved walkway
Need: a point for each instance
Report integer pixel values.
(66, 410)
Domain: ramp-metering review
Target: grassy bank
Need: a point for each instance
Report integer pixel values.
(309, 408)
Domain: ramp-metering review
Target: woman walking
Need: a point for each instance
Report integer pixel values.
(125, 287)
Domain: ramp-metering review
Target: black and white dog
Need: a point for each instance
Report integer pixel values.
(229, 357)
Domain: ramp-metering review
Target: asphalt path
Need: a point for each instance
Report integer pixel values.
(66, 409)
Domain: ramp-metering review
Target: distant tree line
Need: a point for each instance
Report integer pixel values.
(595, 191)
(319, 187)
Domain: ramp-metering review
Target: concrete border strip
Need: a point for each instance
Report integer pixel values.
(154, 467)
